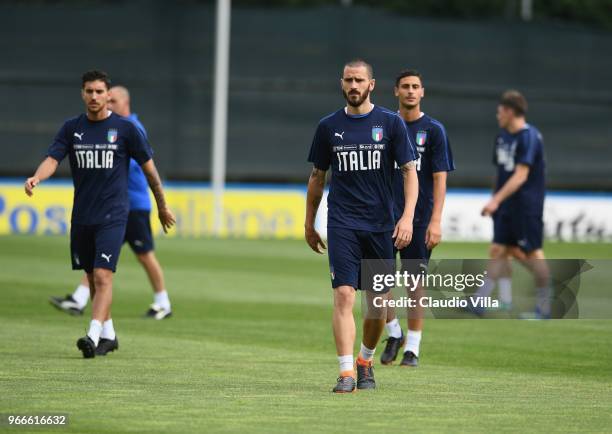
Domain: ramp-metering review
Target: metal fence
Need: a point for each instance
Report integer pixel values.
(285, 69)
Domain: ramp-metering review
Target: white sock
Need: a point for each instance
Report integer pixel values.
(95, 328)
(108, 331)
(394, 330)
(505, 289)
(161, 299)
(365, 353)
(413, 342)
(543, 300)
(81, 296)
(346, 363)
(486, 288)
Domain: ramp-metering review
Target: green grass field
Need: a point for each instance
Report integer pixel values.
(250, 349)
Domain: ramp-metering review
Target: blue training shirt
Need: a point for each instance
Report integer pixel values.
(138, 187)
(99, 153)
(435, 155)
(361, 152)
(523, 147)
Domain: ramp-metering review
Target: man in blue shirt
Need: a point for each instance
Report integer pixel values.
(138, 233)
(517, 205)
(435, 161)
(360, 143)
(99, 145)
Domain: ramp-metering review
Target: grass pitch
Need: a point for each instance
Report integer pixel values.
(250, 349)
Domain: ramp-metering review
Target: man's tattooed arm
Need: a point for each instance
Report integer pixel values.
(316, 184)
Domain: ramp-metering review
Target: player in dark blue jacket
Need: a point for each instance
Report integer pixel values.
(435, 161)
(99, 145)
(360, 144)
(138, 235)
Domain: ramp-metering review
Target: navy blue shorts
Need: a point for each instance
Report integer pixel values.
(346, 249)
(138, 232)
(524, 231)
(96, 246)
(415, 255)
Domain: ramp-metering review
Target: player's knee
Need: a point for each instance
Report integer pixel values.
(376, 308)
(497, 251)
(344, 297)
(144, 258)
(102, 278)
(539, 267)
(417, 293)
(516, 253)
(536, 254)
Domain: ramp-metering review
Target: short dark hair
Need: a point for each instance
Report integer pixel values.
(514, 100)
(408, 73)
(360, 62)
(95, 75)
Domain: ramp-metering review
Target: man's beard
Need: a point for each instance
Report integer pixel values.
(359, 101)
(96, 110)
